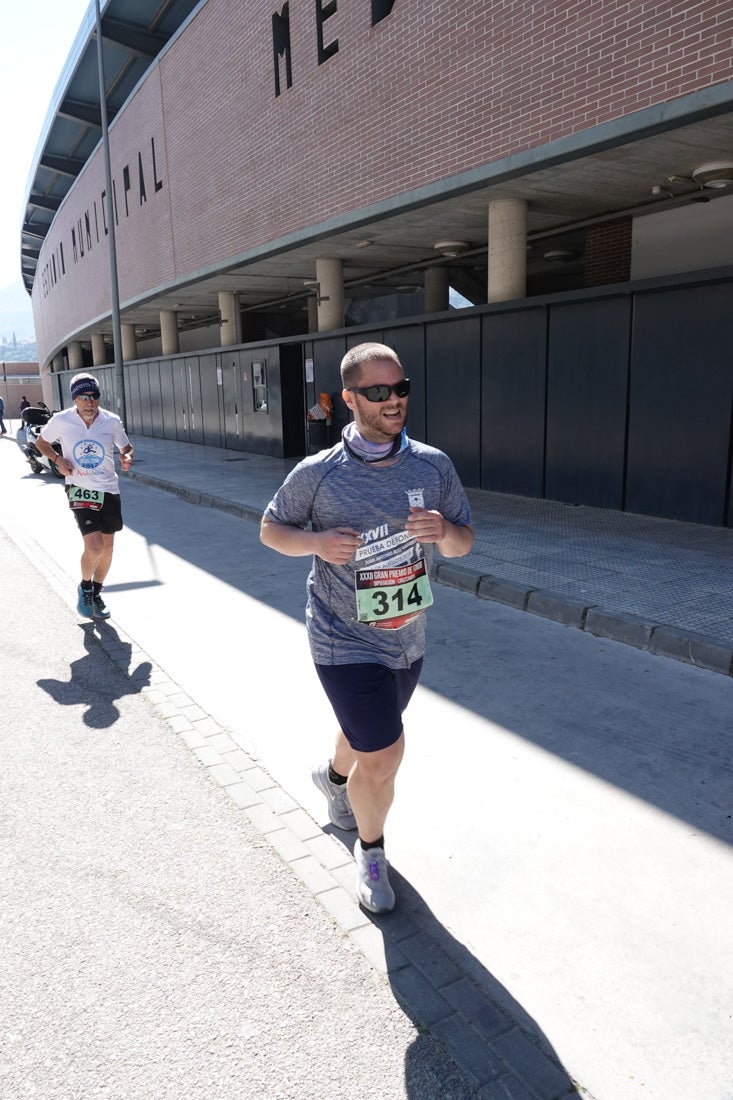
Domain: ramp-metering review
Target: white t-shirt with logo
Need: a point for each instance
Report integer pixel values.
(91, 449)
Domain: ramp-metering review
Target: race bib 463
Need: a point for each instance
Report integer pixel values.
(79, 497)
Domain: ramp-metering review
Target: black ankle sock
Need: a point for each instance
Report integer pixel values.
(87, 586)
(372, 843)
(97, 587)
(335, 778)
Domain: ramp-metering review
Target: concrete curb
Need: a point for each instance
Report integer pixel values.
(658, 638)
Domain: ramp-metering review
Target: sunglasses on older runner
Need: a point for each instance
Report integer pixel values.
(382, 392)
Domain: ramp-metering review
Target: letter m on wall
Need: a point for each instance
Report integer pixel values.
(380, 10)
(281, 46)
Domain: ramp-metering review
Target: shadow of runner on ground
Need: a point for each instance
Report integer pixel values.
(448, 993)
(444, 989)
(96, 682)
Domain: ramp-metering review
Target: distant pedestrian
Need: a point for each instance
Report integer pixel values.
(371, 511)
(24, 404)
(88, 436)
(2, 413)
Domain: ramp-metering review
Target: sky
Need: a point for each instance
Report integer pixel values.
(36, 36)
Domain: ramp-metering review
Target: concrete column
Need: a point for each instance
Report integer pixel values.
(76, 357)
(507, 274)
(58, 363)
(99, 351)
(129, 343)
(169, 332)
(437, 298)
(330, 277)
(230, 321)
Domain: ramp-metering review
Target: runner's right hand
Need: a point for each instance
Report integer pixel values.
(337, 545)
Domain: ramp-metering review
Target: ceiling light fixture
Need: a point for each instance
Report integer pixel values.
(363, 244)
(715, 175)
(560, 255)
(451, 248)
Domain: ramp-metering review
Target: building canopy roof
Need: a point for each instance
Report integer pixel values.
(134, 32)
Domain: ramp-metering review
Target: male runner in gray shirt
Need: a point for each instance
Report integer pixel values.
(370, 510)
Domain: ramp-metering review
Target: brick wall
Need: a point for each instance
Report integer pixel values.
(608, 253)
(433, 90)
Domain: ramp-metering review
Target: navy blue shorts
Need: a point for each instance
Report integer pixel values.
(369, 700)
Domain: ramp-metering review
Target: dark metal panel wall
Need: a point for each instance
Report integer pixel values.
(293, 400)
(193, 392)
(211, 405)
(106, 389)
(587, 380)
(327, 355)
(453, 393)
(156, 406)
(232, 396)
(127, 378)
(513, 364)
(168, 397)
(262, 421)
(146, 419)
(681, 397)
(132, 398)
(180, 390)
(409, 343)
(375, 336)
(594, 398)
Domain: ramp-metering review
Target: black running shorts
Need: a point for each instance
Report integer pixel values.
(108, 519)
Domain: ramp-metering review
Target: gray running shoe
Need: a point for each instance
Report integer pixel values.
(372, 884)
(339, 808)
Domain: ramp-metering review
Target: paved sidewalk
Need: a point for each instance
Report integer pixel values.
(656, 584)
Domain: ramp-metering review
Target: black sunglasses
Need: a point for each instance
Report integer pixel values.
(382, 391)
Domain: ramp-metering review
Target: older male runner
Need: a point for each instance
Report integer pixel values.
(370, 510)
(88, 436)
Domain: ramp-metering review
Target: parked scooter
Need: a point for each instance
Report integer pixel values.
(32, 420)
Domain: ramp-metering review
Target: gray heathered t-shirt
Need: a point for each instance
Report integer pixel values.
(334, 489)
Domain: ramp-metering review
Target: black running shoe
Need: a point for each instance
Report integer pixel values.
(101, 611)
